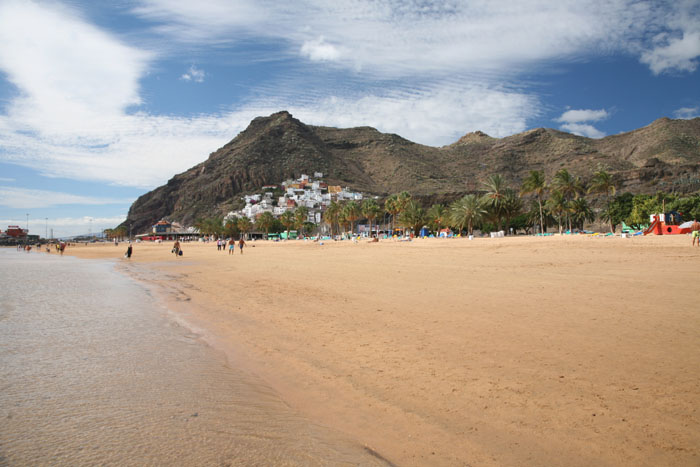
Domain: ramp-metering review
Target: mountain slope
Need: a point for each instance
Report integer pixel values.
(279, 147)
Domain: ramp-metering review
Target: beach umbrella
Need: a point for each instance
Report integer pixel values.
(692, 225)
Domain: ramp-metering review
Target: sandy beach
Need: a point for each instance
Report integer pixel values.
(513, 351)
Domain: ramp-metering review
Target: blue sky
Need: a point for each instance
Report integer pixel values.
(102, 101)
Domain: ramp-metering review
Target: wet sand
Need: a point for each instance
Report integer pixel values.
(94, 371)
(514, 351)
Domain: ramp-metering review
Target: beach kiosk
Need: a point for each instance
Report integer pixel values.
(669, 223)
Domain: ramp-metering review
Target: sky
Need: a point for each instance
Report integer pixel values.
(102, 101)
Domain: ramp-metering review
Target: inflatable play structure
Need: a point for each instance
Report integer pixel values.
(670, 223)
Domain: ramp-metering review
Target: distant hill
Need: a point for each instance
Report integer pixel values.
(280, 147)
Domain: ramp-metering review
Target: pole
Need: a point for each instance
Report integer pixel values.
(27, 223)
(46, 230)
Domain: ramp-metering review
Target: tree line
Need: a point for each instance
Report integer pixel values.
(562, 202)
(240, 226)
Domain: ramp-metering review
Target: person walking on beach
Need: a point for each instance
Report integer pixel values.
(241, 244)
(231, 246)
(696, 237)
(128, 252)
(176, 248)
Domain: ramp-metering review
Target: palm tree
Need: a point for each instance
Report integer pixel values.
(536, 183)
(512, 206)
(371, 210)
(581, 212)
(603, 183)
(244, 225)
(265, 221)
(201, 225)
(288, 220)
(330, 216)
(301, 214)
(412, 216)
(468, 211)
(438, 216)
(231, 227)
(495, 186)
(569, 186)
(343, 220)
(557, 206)
(121, 231)
(352, 212)
(403, 198)
(393, 207)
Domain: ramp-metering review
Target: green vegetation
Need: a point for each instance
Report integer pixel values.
(352, 212)
(265, 222)
(469, 211)
(371, 210)
(412, 216)
(561, 202)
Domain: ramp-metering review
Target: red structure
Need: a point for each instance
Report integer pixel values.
(666, 224)
(15, 231)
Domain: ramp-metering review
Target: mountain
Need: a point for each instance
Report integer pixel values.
(664, 155)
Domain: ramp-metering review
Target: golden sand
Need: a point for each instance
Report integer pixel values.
(513, 351)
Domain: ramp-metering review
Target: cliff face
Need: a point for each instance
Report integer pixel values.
(279, 147)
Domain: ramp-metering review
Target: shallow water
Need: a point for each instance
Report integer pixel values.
(94, 371)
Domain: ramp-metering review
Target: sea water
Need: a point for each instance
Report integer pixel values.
(93, 370)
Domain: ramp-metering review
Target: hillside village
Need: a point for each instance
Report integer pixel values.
(312, 193)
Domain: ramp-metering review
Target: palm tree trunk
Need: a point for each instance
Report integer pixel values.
(539, 201)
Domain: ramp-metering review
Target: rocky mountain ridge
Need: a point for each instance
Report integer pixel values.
(278, 147)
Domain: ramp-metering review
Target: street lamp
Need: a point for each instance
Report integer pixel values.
(27, 223)
(46, 230)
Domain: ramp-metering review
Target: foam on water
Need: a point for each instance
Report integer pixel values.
(93, 371)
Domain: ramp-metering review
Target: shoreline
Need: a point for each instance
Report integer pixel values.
(98, 371)
(387, 346)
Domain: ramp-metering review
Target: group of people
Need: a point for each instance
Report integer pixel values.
(220, 246)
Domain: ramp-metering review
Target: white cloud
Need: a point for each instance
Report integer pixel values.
(435, 116)
(320, 50)
(583, 129)
(7, 180)
(452, 63)
(64, 68)
(22, 198)
(583, 115)
(193, 74)
(67, 137)
(405, 38)
(678, 54)
(67, 226)
(686, 113)
(574, 120)
(676, 45)
(75, 85)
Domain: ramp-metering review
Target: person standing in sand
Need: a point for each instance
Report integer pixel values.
(241, 244)
(176, 248)
(128, 252)
(696, 237)
(231, 246)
